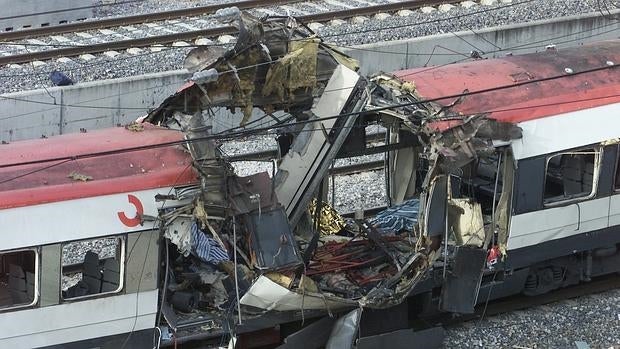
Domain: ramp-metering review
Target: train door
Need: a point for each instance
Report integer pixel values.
(614, 203)
(557, 196)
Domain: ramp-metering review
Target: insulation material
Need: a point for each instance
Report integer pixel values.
(465, 221)
(295, 70)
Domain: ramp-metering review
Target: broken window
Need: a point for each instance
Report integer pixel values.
(571, 175)
(18, 275)
(92, 267)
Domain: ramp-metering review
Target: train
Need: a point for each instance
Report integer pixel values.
(501, 175)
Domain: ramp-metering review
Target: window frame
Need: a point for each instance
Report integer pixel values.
(37, 284)
(122, 269)
(615, 186)
(597, 151)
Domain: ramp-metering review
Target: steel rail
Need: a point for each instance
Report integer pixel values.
(211, 32)
(136, 19)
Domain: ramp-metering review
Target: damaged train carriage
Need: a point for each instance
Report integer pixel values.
(451, 158)
(461, 161)
(486, 199)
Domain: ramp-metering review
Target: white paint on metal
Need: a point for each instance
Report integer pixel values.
(542, 136)
(268, 295)
(558, 222)
(80, 320)
(83, 218)
(614, 210)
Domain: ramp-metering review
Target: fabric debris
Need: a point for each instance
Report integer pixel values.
(206, 248)
(397, 219)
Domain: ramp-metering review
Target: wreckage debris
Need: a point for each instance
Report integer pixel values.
(260, 244)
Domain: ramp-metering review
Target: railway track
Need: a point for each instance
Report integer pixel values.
(115, 45)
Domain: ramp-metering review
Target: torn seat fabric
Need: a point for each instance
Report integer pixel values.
(206, 248)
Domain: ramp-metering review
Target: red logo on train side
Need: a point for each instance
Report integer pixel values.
(137, 219)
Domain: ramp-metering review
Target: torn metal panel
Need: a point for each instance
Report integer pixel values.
(271, 237)
(307, 163)
(252, 193)
(459, 292)
(345, 331)
(276, 64)
(313, 336)
(268, 295)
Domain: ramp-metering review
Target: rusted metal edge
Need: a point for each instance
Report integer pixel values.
(190, 35)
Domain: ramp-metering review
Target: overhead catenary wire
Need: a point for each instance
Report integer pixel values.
(229, 135)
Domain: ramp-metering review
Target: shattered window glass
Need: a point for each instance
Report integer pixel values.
(570, 175)
(92, 267)
(18, 274)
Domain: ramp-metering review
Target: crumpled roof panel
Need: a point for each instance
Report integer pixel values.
(525, 101)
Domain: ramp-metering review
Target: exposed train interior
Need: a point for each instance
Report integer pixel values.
(17, 278)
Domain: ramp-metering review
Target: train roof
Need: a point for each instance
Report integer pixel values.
(530, 101)
(108, 172)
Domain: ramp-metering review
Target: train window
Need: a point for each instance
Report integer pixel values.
(18, 278)
(92, 267)
(571, 175)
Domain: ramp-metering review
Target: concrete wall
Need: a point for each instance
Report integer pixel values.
(19, 14)
(495, 42)
(92, 105)
(119, 101)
